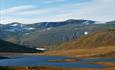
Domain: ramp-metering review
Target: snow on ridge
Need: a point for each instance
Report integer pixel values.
(14, 25)
(30, 28)
(48, 28)
(42, 49)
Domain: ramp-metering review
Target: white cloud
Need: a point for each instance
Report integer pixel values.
(100, 10)
(16, 9)
(52, 1)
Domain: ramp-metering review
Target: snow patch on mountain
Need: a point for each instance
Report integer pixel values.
(30, 28)
(48, 29)
(86, 33)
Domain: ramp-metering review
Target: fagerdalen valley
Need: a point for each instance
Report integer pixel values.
(57, 35)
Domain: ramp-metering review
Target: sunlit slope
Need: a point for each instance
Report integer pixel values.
(99, 44)
(94, 40)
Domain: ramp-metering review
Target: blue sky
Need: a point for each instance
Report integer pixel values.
(38, 3)
(32, 11)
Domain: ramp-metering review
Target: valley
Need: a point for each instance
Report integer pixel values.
(79, 46)
(57, 34)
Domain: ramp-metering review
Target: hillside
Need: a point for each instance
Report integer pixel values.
(94, 40)
(99, 44)
(40, 34)
(58, 35)
(10, 47)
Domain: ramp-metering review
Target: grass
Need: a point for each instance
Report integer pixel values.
(108, 64)
(99, 44)
(66, 60)
(102, 38)
(51, 68)
(83, 53)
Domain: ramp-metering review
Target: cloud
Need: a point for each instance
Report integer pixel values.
(16, 9)
(29, 10)
(99, 10)
(52, 1)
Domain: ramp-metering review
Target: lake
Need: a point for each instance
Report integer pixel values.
(44, 61)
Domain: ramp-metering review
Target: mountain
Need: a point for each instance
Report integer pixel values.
(14, 32)
(58, 35)
(94, 40)
(10, 47)
(99, 44)
(113, 22)
(51, 34)
(19, 27)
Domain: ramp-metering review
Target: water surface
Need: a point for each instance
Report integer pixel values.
(44, 61)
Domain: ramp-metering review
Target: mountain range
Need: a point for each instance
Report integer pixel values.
(50, 34)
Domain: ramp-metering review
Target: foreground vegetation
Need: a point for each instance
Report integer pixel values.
(52, 68)
(106, 52)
